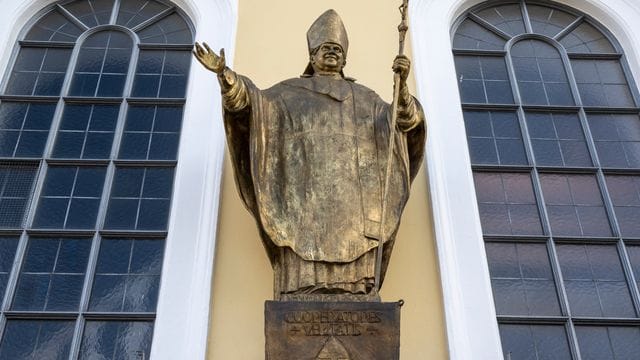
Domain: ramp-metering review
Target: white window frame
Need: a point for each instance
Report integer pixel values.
(182, 320)
(472, 329)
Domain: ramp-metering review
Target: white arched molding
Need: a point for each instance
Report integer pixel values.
(472, 329)
(182, 322)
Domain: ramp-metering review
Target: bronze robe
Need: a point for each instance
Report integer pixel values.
(309, 158)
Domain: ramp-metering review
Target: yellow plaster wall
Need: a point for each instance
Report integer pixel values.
(271, 46)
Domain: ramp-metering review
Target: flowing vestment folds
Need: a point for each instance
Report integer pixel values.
(309, 157)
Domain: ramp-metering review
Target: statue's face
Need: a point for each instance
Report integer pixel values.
(328, 59)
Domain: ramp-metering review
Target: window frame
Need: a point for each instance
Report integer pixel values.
(182, 313)
(469, 310)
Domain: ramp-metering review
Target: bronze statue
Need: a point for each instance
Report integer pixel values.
(309, 157)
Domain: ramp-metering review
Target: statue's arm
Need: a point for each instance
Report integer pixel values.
(235, 96)
(410, 113)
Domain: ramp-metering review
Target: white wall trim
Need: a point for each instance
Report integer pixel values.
(182, 322)
(470, 316)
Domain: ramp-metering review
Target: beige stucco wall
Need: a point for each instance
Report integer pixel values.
(271, 46)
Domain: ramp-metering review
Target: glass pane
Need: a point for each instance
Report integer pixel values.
(70, 197)
(472, 36)
(608, 342)
(92, 12)
(557, 139)
(162, 74)
(507, 203)
(483, 79)
(625, 195)
(533, 342)
(594, 280)
(151, 132)
(602, 83)
(617, 139)
(8, 246)
(494, 138)
(54, 27)
(522, 280)
(541, 74)
(586, 39)
(16, 183)
(86, 132)
(37, 339)
(127, 275)
(39, 71)
(170, 30)
(52, 274)
(102, 65)
(548, 21)
(116, 340)
(507, 18)
(575, 205)
(133, 13)
(140, 199)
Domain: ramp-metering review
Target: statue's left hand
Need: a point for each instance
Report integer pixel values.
(402, 66)
(209, 59)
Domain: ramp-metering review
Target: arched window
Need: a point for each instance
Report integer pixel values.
(551, 114)
(90, 120)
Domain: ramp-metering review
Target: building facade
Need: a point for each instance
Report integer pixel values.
(122, 235)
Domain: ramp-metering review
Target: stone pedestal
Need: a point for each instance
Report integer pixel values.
(297, 330)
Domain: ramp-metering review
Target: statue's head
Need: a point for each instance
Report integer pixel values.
(328, 44)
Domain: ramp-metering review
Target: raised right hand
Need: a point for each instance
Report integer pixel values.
(210, 59)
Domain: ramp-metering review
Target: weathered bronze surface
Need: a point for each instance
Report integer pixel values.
(310, 159)
(343, 330)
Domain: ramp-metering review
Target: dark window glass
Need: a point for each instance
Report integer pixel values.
(602, 83)
(625, 196)
(540, 72)
(483, 79)
(634, 258)
(24, 128)
(37, 339)
(608, 342)
(151, 133)
(574, 205)
(533, 342)
(86, 132)
(507, 203)
(52, 274)
(39, 71)
(617, 139)
(507, 18)
(8, 246)
(16, 184)
(470, 35)
(161, 73)
(134, 13)
(170, 30)
(494, 138)
(92, 12)
(521, 279)
(70, 198)
(548, 21)
(54, 27)
(102, 65)
(586, 39)
(557, 139)
(116, 340)
(140, 199)
(594, 281)
(127, 275)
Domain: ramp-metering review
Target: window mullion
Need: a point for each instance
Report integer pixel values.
(71, 17)
(525, 16)
(569, 28)
(114, 13)
(161, 15)
(487, 25)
